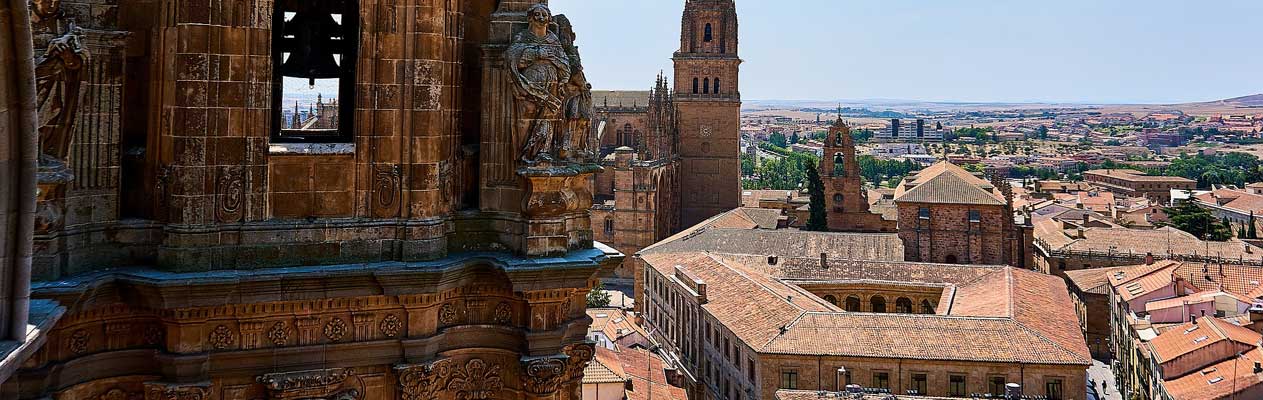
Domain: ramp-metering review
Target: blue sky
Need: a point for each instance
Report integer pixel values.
(1102, 51)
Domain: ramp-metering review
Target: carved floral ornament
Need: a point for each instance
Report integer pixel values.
(476, 379)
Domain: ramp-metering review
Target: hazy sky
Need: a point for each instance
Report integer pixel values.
(1151, 51)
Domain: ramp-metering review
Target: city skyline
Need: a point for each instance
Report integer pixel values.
(1075, 51)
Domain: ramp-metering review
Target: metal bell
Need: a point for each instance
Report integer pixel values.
(315, 36)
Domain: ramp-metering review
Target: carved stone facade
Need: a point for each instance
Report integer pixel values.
(432, 255)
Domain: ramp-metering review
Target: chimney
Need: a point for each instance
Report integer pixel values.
(1085, 219)
(824, 260)
(771, 260)
(1258, 367)
(1149, 259)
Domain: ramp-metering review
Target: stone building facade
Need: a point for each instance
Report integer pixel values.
(846, 200)
(436, 243)
(948, 215)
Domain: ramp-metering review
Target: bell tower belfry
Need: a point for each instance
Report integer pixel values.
(708, 105)
(846, 200)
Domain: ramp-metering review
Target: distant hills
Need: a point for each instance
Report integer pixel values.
(1244, 101)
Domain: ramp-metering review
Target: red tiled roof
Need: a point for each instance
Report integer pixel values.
(1218, 381)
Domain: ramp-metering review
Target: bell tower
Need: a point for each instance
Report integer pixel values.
(708, 105)
(846, 200)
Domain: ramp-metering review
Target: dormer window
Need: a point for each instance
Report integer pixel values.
(314, 48)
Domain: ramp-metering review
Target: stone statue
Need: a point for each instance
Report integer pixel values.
(58, 80)
(538, 68)
(577, 139)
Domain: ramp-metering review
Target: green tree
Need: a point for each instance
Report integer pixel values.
(747, 164)
(1188, 217)
(778, 139)
(597, 298)
(817, 221)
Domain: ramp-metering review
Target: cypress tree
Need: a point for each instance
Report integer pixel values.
(818, 221)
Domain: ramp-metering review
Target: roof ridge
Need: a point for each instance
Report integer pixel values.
(801, 314)
(746, 276)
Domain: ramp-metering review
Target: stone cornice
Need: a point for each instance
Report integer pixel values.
(164, 290)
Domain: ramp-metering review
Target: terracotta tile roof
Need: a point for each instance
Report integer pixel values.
(617, 325)
(649, 380)
(998, 314)
(786, 394)
(605, 368)
(751, 198)
(946, 183)
(1137, 281)
(1136, 176)
(1096, 281)
(1218, 381)
(620, 98)
(1208, 296)
(1161, 241)
(786, 242)
(1200, 334)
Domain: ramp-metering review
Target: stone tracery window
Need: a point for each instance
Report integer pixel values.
(314, 48)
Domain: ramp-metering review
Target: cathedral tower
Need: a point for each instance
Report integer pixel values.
(708, 106)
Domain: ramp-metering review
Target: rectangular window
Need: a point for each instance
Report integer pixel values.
(919, 384)
(923, 213)
(1054, 390)
(975, 216)
(750, 369)
(789, 380)
(881, 380)
(956, 385)
(995, 385)
(313, 78)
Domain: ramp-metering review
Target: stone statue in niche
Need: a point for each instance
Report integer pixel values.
(58, 78)
(578, 136)
(538, 70)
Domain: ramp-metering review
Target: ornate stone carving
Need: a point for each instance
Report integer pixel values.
(538, 68)
(221, 338)
(363, 324)
(251, 335)
(578, 142)
(476, 380)
(543, 375)
(230, 193)
(78, 341)
(153, 334)
(447, 314)
(278, 334)
(120, 394)
(335, 329)
(332, 383)
(117, 334)
(423, 381)
(578, 357)
(308, 330)
(504, 313)
(386, 180)
(172, 391)
(390, 326)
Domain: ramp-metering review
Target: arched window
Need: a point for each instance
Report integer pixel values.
(837, 198)
(878, 303)
(951, 259)
(708, 35)
(313, 56)
(706, 86)
(694, 85)
(926, 307)
(839, 165)
(716, 86)
(832, 300)
(852, 304)
(903, 305)
(609, 226)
